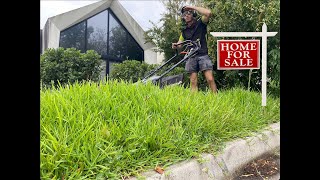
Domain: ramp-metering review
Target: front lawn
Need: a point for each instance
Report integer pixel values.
(115, 129)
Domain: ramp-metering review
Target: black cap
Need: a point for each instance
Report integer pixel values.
(183, 10)
(193, 11)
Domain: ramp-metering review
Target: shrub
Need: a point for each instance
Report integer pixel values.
(133, 70)
(68, 66)
(129, 70)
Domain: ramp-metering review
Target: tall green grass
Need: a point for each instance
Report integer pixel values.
(115, 129)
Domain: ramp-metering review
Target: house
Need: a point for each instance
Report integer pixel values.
(103, 26)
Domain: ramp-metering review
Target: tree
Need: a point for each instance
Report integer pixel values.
(74, 37)
(117, 42)
(246, 16)
(97, 39)
(169, 32)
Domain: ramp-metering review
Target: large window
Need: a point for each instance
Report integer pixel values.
(135, 52)
(74, 37)
(117, 39)
(97, 32)
(105, 34)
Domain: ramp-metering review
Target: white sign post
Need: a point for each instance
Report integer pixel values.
(264, 34)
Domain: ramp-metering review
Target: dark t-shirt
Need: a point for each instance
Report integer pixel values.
(197, 31)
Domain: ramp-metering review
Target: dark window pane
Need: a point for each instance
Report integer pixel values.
(97, 32)
(117, 39)
(134, 50)
(74, 37)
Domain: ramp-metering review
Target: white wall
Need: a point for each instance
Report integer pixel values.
(56, 24)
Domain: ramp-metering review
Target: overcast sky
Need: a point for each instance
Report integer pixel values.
(141, 10)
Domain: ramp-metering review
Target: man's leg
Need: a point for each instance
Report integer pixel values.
(194, 81)
(192, 68)
(210, 79)
(206, 67)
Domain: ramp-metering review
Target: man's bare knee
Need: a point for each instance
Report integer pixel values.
(210, 80)
(193, 79)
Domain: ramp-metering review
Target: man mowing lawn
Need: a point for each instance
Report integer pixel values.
(193, 28)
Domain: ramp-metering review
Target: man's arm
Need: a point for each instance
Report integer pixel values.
(206, 13)
(174, 45)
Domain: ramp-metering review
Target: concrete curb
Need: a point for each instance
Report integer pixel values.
(223, 166)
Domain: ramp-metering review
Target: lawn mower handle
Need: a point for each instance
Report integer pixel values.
(192, 46)
(189, 43)
(155, 70)
(192, 52)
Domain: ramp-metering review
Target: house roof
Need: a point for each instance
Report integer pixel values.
(70, 18)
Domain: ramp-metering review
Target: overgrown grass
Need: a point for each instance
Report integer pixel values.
(114, 130)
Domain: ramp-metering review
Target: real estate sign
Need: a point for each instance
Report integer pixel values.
(244, 54)
(238, 54)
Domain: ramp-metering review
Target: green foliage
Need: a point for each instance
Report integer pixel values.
(169, 32)
(133, 70)
(114, 130)
(228, 16)
(246, 16)
(129, 70)
(68, 66)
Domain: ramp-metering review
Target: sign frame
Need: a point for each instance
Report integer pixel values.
(264, 34)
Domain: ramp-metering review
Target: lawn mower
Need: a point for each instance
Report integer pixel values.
(191, 48)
